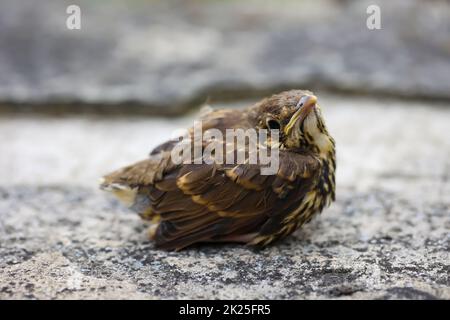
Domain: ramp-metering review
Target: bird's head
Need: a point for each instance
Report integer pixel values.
(299, 120)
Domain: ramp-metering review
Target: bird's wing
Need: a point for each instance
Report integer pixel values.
(212, 202)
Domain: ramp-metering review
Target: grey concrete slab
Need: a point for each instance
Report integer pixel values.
(387, 236)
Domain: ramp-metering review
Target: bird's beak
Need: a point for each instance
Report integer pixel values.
(305, 105)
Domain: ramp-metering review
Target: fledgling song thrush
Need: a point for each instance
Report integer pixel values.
(221, 202)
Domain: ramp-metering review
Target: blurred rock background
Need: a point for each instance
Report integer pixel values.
(75, 104)
(171, 55)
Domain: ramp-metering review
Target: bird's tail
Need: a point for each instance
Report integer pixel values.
(121, 190)
(123, 183)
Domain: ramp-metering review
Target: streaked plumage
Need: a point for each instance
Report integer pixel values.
(191, 203)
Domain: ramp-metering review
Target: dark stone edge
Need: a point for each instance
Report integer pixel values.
(74, 106)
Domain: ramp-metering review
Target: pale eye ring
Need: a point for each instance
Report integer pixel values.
(273, 124)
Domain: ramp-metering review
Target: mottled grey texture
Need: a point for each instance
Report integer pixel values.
(386, 237)
(174, 54)
(60, 242)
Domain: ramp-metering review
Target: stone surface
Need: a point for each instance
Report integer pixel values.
(62, 242)
(386, 237)
(174, 54)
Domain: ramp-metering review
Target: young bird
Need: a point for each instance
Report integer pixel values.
(192, 203)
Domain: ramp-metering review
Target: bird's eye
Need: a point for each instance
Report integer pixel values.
(273, 124)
